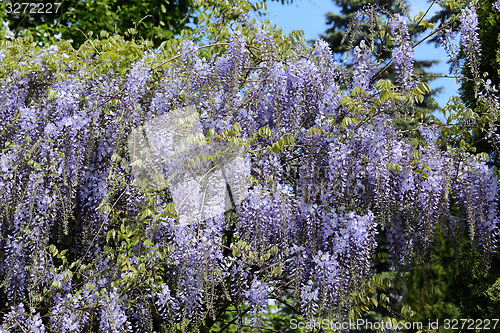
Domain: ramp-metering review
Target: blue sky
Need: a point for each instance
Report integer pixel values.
(309, 16)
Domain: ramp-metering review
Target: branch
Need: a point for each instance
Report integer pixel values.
(389, 64)
(285, 302)
(178, 56)
(426, 128)
(446, 76)
(418, 23)
(233, 321)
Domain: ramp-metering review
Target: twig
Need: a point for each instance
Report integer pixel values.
(233, 321)
(285, 302)
(446, 76)
(389, 64)
(424, 128)
(178, 56)
(418, 23)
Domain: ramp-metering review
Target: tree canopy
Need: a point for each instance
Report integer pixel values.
(77, 20)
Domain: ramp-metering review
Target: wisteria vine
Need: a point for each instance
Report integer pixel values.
(84, 248)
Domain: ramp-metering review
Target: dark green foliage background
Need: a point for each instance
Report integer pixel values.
(152, 19)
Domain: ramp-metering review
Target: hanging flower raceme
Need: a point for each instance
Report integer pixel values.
(402, 55)
(469, 25)
(449, 41)
(363, 66)
(257, 296)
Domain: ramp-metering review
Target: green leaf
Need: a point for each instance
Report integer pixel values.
(418, 17)
(134, 240)
(56, 284)
(275, 148)
(483, 156)
(53, 250)
(115, 157)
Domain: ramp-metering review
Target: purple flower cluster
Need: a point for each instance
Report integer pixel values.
(18, 320)
(257, 297)
(496, 5)
(469, 26)
(113, 319)
(363, 66)
(402, 56)
(478, 192)
(448, 41)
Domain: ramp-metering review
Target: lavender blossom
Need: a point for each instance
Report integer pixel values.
(402, 56)
(496, 5)
(363, 66)
(257, 297)
(469, 25)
